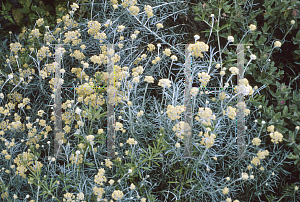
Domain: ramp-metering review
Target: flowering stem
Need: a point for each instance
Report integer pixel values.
(144, 95)
(95, 157)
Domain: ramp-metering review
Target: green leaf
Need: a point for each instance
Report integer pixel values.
(79, 136)
(285, 110)
(8, 6)
(89, 164)
(70, 164)
(173, 182)
(3, 7)
(67, 187)
(145, 168)
(277, 115)
(25, 10)
(10, 19)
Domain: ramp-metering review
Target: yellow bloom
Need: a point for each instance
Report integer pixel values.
(225, 190)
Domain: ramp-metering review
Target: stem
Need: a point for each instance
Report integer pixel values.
(95, 157)
(144, 95)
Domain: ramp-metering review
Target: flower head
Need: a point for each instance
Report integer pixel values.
(277, 44)
(252, 27)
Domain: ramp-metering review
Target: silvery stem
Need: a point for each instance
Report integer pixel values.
(144, 96)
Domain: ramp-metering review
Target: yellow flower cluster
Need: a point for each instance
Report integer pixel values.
(207, 140)
(98, 59)
(167, 52)
(231, 112)
(120, 28)
(149, 79)
(234, 70)
(23, 160)
(137, 70)
(78, 159)
(245, 176)
(181, 128)
(276, 137)
(159, 25)
(244, 87)
(271, 128)
(15, 47)
(256, 141)
(205, 116)
(222, 96)
(252, 27)
(72, 36)
(100, 36)
(164, 83)
(108, 163)
(141, 113)
(173, 57)
(94, 27)
(69, 197)
(151, 47)
(173, 112)
(40, 22)
(148, 10)
(255, 161)
(78, 55)
(157, 59)
(99, 192)
(85, 90)
(117, 195)
(139, 59)
(43, 52)
(198, 48)
(134, 10)
(131, 141)
(204, 78)
(99, 178)
(262, 154)
(35, 33)
(126, 3)
(119, 126)
(48, 37)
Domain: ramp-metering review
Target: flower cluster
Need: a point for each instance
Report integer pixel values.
(43, 52)
(164, 83)
(78, 55)
(76, 159)
(244, 87)
(151, 47)
(194, 91)
(167, 52)
(277, 44)
(252, 27)
(256, 141)
(234, 70)
(72, 36)
(148, 10)
(173, 112)
(205, 116)
(207, 140)
(276, 137)
(204, 78)
(149, 79)
(40, 22)
(181, 128)
(15, 47)
(159, 25)
(117, 195)
(198, 48)
(131, 141)
(99, 178)
(134, 10)
(108, 163)
(94, 27)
